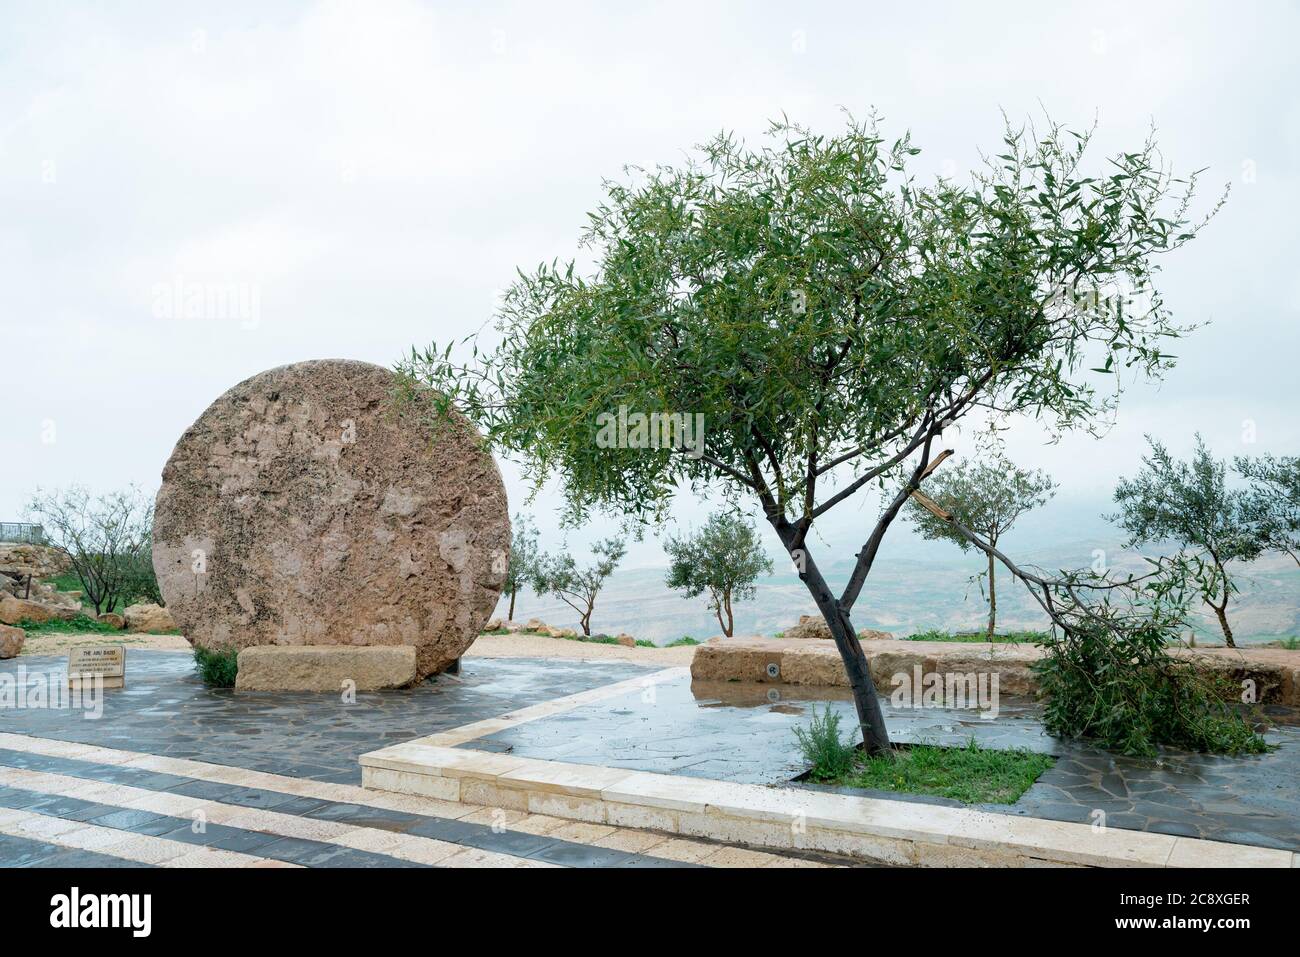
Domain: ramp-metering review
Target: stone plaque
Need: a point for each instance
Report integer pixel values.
(98, 661)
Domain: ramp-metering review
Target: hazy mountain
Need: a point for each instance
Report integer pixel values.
(915, 585)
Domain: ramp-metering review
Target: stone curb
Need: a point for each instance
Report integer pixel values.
(882, 831)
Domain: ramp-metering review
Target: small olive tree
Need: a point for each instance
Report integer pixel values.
(559, 575)
(987, 496)
(826, 317)
(523, 558)
(1272, 504)
(1191, 505)
(107, 539)
(724, 558)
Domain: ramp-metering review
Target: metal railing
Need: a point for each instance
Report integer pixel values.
(22, 532)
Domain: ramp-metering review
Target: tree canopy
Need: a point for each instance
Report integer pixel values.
(724, 558)
(1190, 504)
(523, 558)
(829, 316)
(987, 495)
(1272, 505)
(107, 538)
(577, 587)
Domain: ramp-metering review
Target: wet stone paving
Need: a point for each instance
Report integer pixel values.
(725, 731)
(175, 774)
(166, 710)
(745, 733)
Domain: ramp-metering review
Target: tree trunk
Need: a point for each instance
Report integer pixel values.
(993, 596)
(511, 615)
(1221, 612)
(731, 621)
(586, 623)
(717, 612)
(875, 736)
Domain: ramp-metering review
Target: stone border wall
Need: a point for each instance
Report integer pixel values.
(1275, 671)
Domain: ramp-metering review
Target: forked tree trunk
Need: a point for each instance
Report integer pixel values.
(875, 736)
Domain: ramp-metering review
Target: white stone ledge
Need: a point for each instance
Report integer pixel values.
(893, 832)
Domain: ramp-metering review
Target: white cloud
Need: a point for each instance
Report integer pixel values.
(379, 169)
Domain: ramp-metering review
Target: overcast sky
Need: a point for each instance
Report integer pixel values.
(371, 175)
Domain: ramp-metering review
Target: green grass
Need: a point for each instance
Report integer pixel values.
(1010, 637)
(590, 639)
(217, 668)
(972, 775)
(1291, 644)
(598, 639)
(81, 625)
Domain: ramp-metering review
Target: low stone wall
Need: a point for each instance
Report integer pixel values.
(1275, 671)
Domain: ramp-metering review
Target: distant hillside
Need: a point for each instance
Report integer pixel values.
(903, 595)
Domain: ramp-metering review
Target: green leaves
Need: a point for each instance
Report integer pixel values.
(724, 558)
(987, 495)
(1191, 505)
(523, 555)
(815, 302)
(577, 586)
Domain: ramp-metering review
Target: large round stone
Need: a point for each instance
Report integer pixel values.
(306, 507)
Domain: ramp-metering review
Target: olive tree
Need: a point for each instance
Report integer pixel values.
(577, 587)
(724, 558)
(1272, 504)
(1191, 505)
(825, 316)
(523, 559)
(986, 495)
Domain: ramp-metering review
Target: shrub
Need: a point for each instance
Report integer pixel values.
(821, 746)
(1129, 695)
(139, 583)
(105, 538)
(80, 625)
(217, 668)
